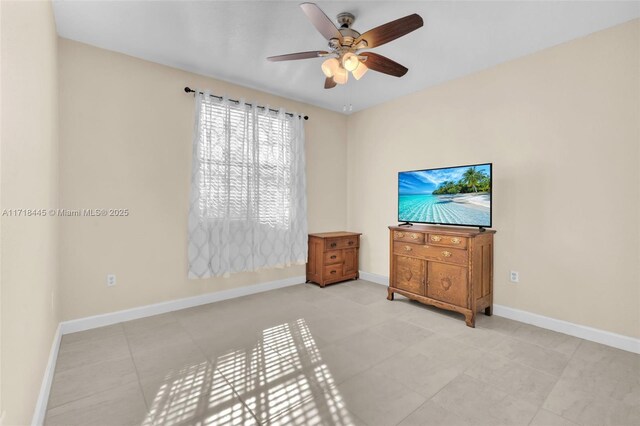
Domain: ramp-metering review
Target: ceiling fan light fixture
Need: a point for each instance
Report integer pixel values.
(360, 71)
(350, 61)
(341, 76)
(330, 66)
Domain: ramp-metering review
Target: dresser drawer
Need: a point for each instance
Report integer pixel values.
(429, 252)
(333, 272)
(411, 237)
(340, 243)
(447, 240)
(333, 256)
(407, 249)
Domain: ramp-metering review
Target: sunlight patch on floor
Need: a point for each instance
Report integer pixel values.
(280, 378)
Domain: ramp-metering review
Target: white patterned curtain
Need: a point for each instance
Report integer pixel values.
(248, 206)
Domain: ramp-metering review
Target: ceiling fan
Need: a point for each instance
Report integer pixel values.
(346, 44)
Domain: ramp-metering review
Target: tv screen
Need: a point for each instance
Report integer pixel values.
(447, 196)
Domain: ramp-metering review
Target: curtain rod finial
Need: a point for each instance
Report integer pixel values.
(306, 117)
(188, 89)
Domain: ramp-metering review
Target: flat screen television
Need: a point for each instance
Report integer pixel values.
(458, 195)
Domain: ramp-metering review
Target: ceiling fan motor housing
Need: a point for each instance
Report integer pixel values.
(345, 19)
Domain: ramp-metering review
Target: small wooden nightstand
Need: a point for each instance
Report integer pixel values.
(333, 257)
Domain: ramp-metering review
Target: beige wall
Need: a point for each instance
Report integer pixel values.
(125, 142)
(29, 179)
(562, 128)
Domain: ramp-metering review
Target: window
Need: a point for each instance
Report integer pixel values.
(237, 168)
(248, 196)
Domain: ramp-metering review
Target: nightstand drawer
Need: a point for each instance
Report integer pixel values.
(333, 256)
(333, 272)
(339, 243)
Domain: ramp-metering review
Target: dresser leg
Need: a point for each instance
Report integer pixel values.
(389, 294)
(470, 319)
(488, 311)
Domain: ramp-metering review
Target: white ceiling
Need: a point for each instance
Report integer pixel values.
(230, 40)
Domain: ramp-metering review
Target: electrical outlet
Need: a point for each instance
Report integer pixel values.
(111, 280)
(515, 277)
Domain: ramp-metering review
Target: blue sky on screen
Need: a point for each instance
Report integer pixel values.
(426, 181)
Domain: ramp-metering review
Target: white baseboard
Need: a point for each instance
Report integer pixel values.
(41, 405)
(608, 338)
(102, 320)
(374, 278)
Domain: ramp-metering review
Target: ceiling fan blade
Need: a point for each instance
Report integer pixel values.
(299, 55)
(383, 64)
(329, 83)
(391, 30)
(323, 24)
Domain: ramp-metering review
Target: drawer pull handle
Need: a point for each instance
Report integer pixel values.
(455, 240)
(333, 272)
(446, 253)
(334, 256)
(435, 238)
(350, 243)
(414, 236)
(407, 248)
(333, 244)
(400, 234)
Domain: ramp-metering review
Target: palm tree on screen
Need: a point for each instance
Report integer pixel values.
(471, 177)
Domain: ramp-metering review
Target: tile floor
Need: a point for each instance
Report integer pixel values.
(342, 355)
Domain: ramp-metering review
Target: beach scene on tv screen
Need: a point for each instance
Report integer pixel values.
(457, 195)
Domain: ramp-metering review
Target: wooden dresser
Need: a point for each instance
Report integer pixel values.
(333, 257)
(451, 268)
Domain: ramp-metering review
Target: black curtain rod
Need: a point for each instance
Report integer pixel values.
(190, 90)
